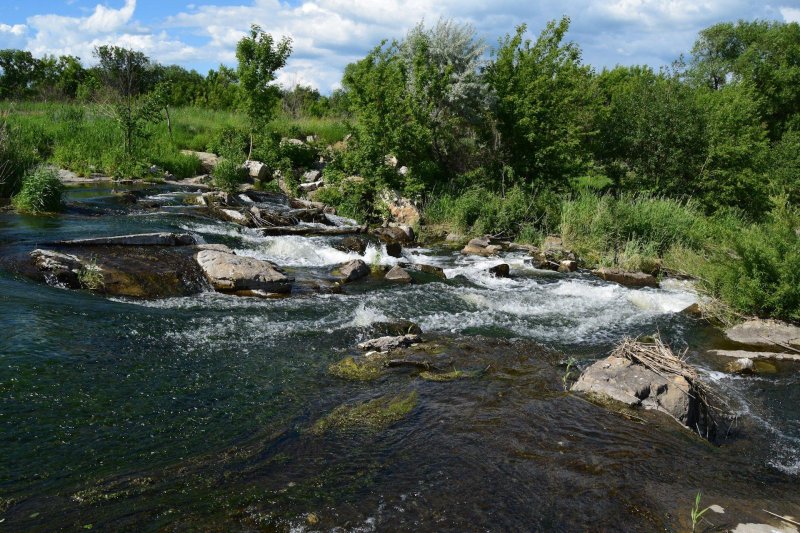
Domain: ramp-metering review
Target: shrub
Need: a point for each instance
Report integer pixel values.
(41, 192)
(228, 175)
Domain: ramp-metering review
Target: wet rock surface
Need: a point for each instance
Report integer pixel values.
(228, 272)
(629, 279)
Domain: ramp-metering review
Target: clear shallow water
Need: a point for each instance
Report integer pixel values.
(193, 413)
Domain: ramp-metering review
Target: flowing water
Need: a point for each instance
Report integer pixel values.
(195, 413)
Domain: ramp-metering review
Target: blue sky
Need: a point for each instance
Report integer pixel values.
(328, 34)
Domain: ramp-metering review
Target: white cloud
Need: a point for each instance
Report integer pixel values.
(105, 19)
(790, 14)
(16, 30)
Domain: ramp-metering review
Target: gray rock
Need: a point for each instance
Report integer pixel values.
(398, 274)
(741, 366)
(228, 272)
(256, 170)
(765, 333)
(387, 344)
(396, 328)
(310, 187)
(429, 269)
(481, 247)
(352, 270)
(235, 216)
(636, 386)
(139, 239)
(629, 279)
(59, 269)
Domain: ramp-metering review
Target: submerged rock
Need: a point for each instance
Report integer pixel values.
(228, 272)
(387, 344)
(635, 385)
(765, 333)
(372, 415)
(352, 270)
(397, 274)
(629, 279)
(427, 269)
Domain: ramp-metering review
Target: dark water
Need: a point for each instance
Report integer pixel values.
(195, 414)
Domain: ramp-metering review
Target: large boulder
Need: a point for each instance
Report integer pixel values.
(629, 279)
(635, 385)
(229, 272)
(765, 333)
(234, 215)
(352, 270)
(503, 270)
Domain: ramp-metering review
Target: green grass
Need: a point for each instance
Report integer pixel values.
(41, 192)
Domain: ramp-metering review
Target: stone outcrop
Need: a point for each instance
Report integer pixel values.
(758, 356)
(629, 279)
(635, 385)
(229, 272)
(402, 210)
(352, 270)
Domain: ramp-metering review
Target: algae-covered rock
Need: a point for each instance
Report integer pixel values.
(373, 415)
(443, 376)
(364, 370)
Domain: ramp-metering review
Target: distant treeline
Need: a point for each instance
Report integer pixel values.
(65, 78)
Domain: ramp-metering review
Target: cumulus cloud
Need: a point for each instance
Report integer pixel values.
(328, 34)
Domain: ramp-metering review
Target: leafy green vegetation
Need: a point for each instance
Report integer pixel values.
(41, 192)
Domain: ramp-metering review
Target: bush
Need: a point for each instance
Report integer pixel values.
(41, 192)
(20, 150)
(228, 175)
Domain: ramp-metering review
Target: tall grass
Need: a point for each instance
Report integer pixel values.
(41, 192)
(86, 139)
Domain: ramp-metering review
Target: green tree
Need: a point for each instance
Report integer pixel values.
(544, 107)
(18, 70)
(259, 58)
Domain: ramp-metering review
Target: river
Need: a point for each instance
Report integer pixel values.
(193, 413)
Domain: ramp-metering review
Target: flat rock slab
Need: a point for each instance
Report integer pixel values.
(744, 354)
(228, 272)
(637, 386)
(765, 333)
(310, 230)
(140, 239)
(387, 344)
(629, 279)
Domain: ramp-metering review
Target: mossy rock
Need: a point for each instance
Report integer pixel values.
(373, 415)
(348, 368)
